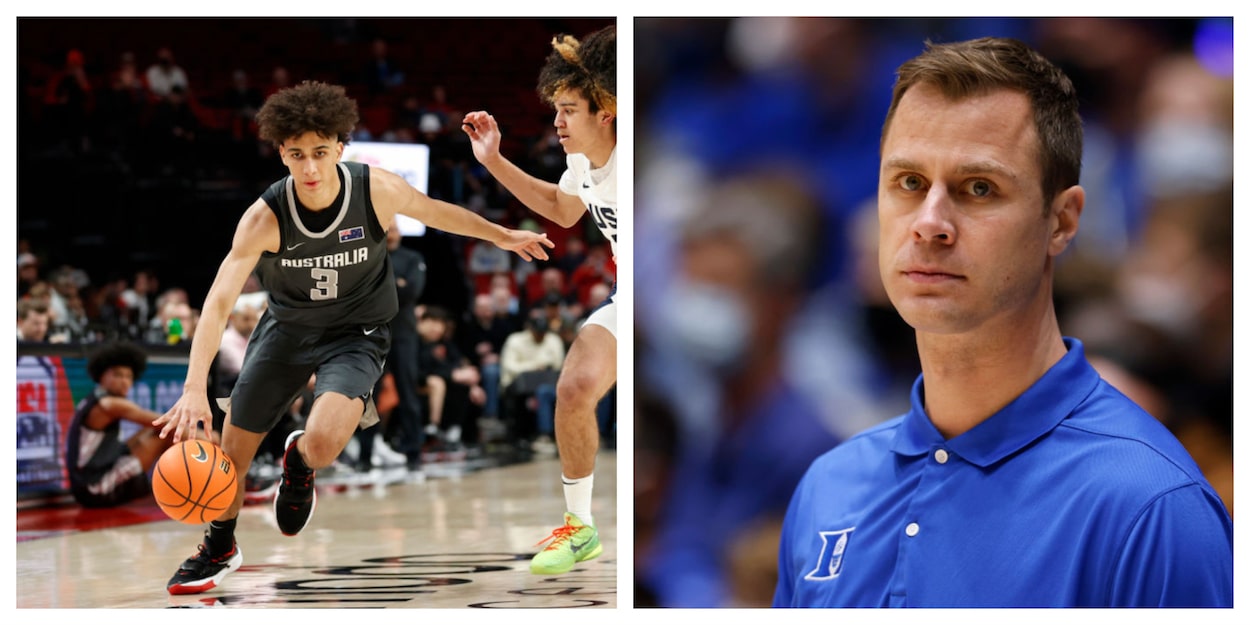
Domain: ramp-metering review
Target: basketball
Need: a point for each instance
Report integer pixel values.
(194, 482)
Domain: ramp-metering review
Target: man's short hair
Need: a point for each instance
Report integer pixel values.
(979, 66)
(28, 307)
(436, 313)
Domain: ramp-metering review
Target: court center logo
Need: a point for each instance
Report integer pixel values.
(829, 564)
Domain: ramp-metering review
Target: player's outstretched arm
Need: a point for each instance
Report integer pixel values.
(393, 195)
(122, 409)
(257, 231)
(540, 196)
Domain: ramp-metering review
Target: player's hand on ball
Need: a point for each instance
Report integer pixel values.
(185, 418)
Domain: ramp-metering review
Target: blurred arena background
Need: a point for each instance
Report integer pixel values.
(116, 177)
(757, 156)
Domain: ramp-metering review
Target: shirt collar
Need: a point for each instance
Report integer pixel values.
(1028, 417)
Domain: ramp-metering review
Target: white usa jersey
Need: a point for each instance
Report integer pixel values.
(597, 190)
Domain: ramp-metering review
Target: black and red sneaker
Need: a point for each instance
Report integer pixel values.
(204, 570)
(296, 498)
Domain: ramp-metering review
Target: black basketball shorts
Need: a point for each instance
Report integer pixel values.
(281, 357)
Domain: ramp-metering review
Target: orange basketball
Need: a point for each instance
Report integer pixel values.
(194, 482)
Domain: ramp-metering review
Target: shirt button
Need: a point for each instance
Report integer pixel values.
(941, 456)
(913, 529)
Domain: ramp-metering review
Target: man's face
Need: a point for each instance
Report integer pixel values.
(431, 329)
(576, 126)
(964, 239)
(501, 299)
(118, 380)
(483, 307)
(312, 159)
(35, 326)
(553, 280)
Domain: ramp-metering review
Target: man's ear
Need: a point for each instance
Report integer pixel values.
(1065, 218)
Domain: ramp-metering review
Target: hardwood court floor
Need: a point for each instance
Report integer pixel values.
(452, 541)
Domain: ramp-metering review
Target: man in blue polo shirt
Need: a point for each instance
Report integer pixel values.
(1019, 478)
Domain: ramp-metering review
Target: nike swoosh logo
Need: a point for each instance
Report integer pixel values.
(291, 247)
(575, 547)
(203, 455)
(585, 185)
(371, 330)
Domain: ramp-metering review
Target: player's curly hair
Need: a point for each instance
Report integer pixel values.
(309, 106)
(588, 66)
(116, 355)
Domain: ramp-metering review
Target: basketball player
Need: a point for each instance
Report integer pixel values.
(105, 470)
(579, 81)
(1019, 477)
(317, 241)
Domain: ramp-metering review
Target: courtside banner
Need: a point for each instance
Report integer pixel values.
(49, 387)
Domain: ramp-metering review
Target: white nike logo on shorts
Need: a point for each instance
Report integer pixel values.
(371, 330)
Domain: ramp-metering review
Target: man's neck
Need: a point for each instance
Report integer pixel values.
(601, 152)
(970, 377)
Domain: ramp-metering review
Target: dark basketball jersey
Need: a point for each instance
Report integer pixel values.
(103, 457)
(332, 268)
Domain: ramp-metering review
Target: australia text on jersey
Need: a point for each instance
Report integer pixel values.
(329, 261)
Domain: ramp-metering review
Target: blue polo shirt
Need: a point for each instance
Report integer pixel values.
(1071, 495)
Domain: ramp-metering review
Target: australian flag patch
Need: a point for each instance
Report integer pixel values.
(351, 234)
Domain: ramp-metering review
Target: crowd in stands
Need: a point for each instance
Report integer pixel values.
(156, 111)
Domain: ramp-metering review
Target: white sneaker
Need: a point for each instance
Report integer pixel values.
(384, 456)
(543, 446)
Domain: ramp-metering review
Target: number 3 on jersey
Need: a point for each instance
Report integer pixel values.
(327, 286)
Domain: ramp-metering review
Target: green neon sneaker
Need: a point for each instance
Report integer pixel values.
(572, 543)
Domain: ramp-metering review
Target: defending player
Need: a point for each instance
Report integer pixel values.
(317, 241)
(579, 80)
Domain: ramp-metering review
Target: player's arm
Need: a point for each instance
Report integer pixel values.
(257, 232)
(110, 409)
(393, 195)
(540, 196)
